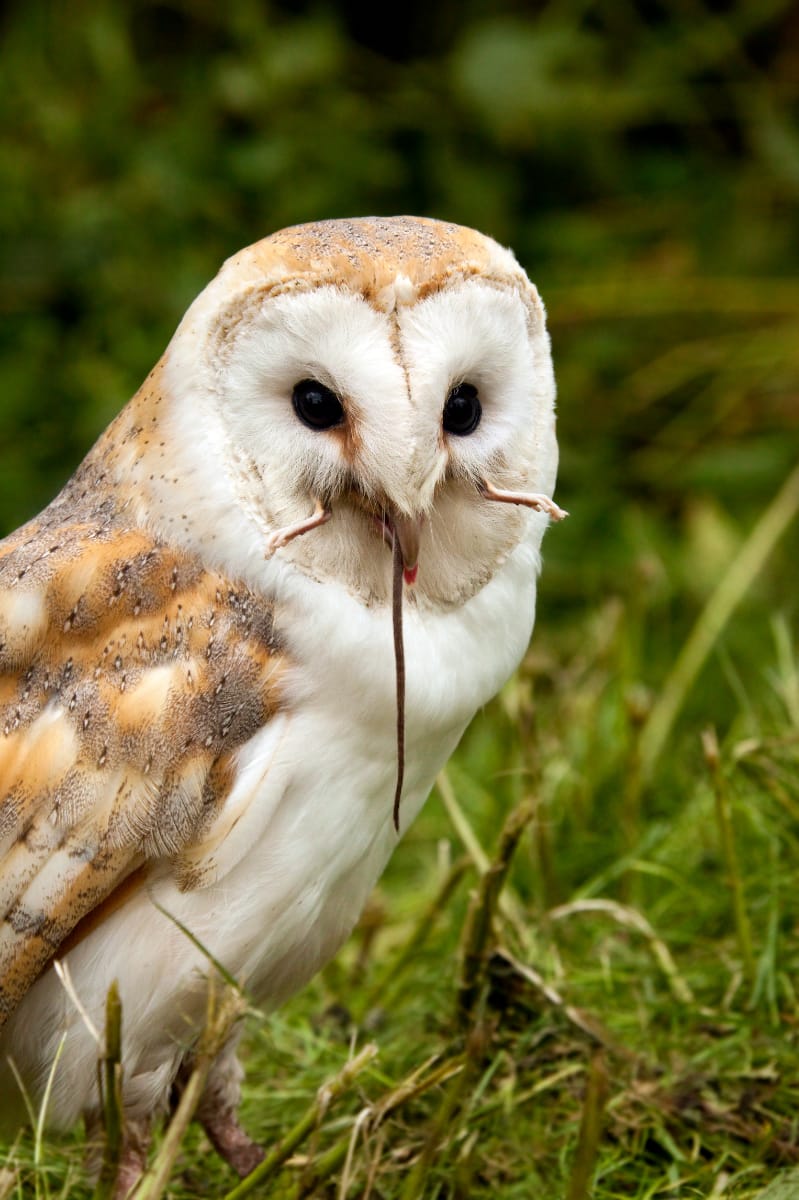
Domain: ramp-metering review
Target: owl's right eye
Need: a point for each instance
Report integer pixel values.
(315, 405)
(462, 411)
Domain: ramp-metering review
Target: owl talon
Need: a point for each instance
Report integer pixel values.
(133, 1159)
(231, 1142)
(132, 1162)
(536, 500)
(217, 1112)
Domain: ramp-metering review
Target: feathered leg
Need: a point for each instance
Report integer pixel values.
(218, 1112)
(133, 1160)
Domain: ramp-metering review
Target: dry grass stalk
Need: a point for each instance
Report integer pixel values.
(630, 918)
(443, 1125)
(329, 1092)
(586, 1023)
(225, 1008)
(510, 909)
(370, 1120)
(731, 589)
(478, 926)
(109, 1070)
(421, 930)
(596, 1094)
(710, 747)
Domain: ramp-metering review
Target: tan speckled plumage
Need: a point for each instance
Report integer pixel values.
(129, 673)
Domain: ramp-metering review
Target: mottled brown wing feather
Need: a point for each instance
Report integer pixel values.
(129, 675)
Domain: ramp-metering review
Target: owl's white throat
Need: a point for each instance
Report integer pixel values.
(403, 535)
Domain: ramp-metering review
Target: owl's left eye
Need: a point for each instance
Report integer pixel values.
(462, 412)
(316, 405)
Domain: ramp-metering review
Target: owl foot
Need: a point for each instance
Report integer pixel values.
(133, 1159)
(282, 537)
(218, 1108)
(231, 1142)
(536, 500)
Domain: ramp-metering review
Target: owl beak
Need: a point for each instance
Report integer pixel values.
(407, 531)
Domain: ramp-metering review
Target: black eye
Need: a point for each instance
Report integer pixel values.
(315, 405)
(462, 411)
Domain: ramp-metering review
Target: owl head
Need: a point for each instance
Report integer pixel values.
(355, 381)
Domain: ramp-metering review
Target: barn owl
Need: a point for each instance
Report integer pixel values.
(239, 645)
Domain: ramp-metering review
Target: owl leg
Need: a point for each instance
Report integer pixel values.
(133, 1157)
(282, 537)
(133, 1160)
(535, 500)
(217, 1112)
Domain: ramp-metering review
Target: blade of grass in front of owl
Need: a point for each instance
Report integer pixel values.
(399, 662)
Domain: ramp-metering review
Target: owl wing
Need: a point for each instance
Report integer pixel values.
(129, 676)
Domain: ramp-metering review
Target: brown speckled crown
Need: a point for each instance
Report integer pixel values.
(368, 254)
